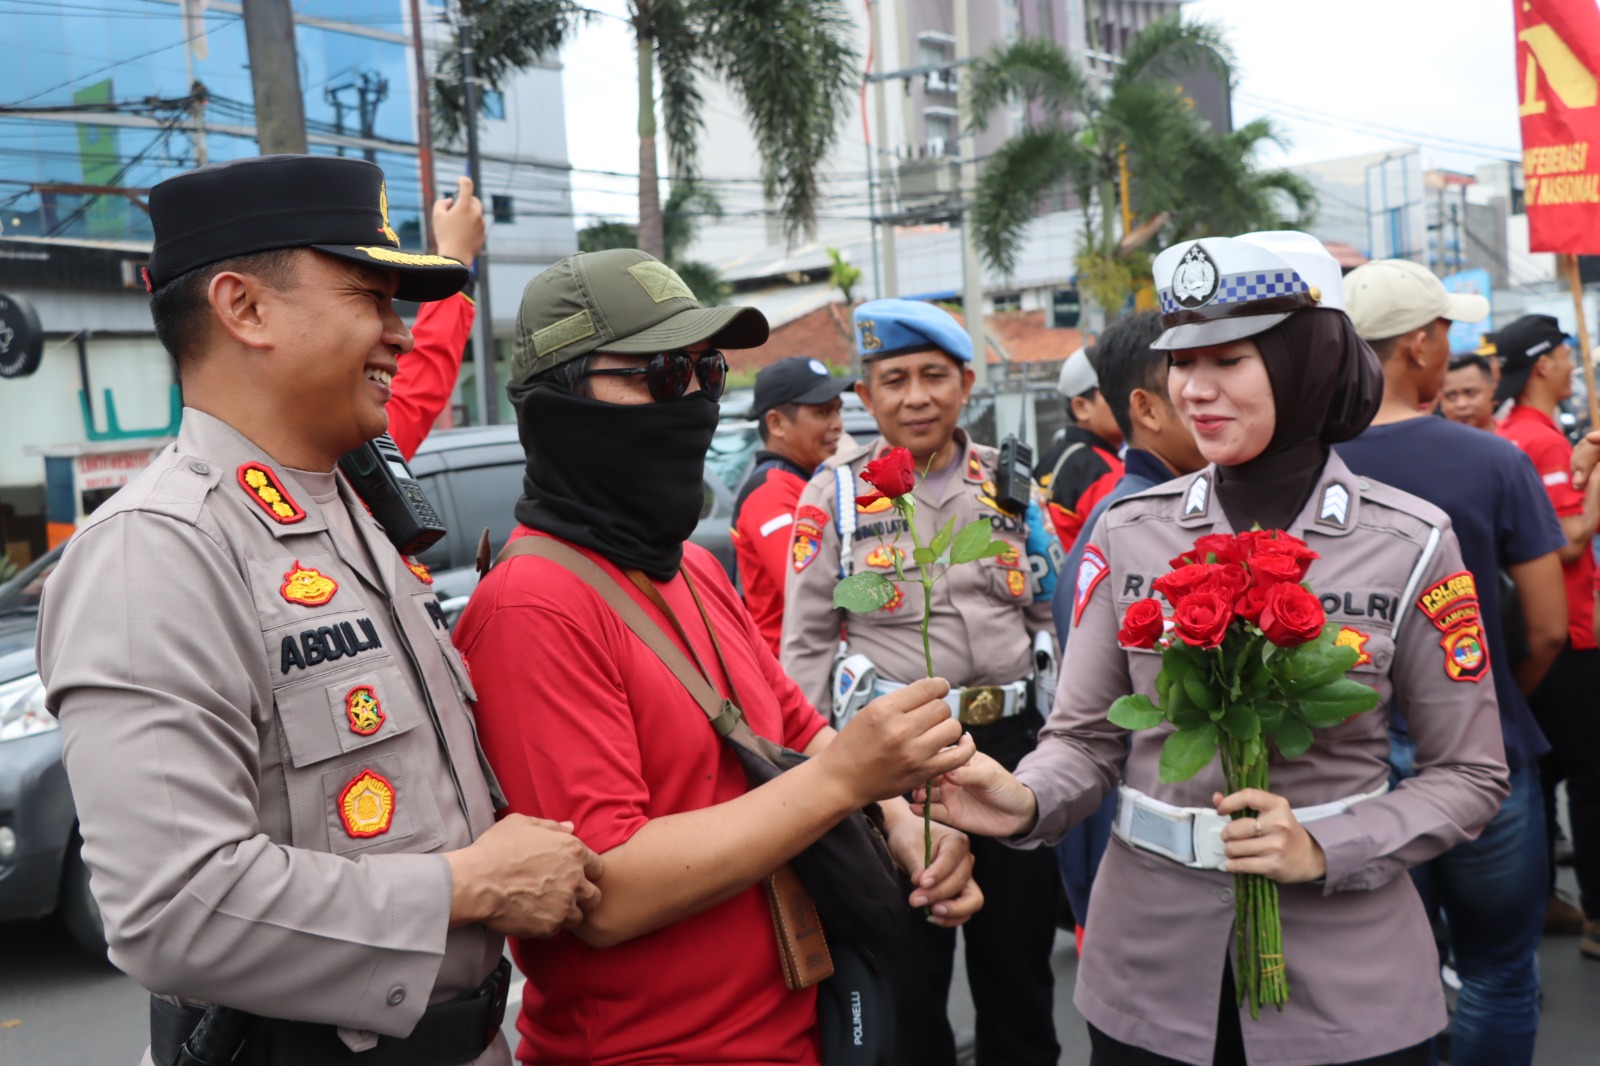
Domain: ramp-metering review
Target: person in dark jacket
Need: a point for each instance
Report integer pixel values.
(1080, 469)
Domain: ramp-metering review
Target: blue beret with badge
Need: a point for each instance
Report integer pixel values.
(1221, 289)
(886, 328)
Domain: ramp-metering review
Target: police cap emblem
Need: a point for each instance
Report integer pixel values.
(1196, 280)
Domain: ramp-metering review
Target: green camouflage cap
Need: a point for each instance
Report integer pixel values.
(620, 300)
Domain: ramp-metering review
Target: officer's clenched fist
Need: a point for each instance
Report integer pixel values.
(897, 741)
(525, 877)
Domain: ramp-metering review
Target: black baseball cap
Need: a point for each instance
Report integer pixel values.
(797, 379)
(1520, 346)
(336, 205)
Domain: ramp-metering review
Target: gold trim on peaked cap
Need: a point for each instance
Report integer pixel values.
(422, 277)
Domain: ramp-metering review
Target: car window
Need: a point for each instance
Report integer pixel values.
(732, 449)
(452, 546)
(484, 497)
(24, 591)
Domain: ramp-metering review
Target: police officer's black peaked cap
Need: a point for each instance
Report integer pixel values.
(335, 205)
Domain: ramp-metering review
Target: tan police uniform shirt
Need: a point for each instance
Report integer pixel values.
(1362, 966)
(984, 613)
(269, 746)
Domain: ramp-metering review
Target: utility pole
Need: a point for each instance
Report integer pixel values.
(484, 357)
(971, 269)
(888, 281)
(275, 77)
(424, 126)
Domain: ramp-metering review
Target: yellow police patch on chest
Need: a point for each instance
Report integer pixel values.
(366, 806)
(1009, 558)
(362, 708)
(884, 556)
(1350, 637)
(421, 572)
(307, 586)
(263, 486)
(877, 506)
(897, 601)
(1016, 582)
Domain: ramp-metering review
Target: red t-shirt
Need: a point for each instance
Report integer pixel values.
(1536, 434)
(582, 722)
(763, 531)
(427, 374)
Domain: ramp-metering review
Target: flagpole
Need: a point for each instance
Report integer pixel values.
(1573, 278)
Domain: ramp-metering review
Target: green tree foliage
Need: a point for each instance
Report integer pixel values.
(843, 276)
(686, 204)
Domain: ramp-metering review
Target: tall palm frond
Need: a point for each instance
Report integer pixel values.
(1033, 69)
(509, 35)
(1169, 47)
(1017, 174)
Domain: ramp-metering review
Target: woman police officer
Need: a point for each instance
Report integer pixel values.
(1267, 372)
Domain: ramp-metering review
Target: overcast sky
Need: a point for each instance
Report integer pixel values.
(1337, 79)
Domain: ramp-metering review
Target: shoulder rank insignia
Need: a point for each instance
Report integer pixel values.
(420, 571)
(361, 706)
(975, 469)
(366, 806)
(263, 486)
(307, 587)
(1199, 497)
(1334, 510)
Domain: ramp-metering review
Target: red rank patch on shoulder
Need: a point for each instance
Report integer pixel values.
(815, 515)
(263, 486)
(974, 468)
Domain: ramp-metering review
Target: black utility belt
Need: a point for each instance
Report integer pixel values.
(448, 1034)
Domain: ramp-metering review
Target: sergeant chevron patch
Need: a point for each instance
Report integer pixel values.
(1199, 497)
(1334, 510)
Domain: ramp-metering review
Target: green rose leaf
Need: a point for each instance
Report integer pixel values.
(1135, 712)
(941, 539)
(1315, 664)
(924, 556)
(861, 593)
(1336, 702)
(973, 542)
(1240, 721)
(1187, 751)
(1293, 737)
(1271, 714)
(1195, 686)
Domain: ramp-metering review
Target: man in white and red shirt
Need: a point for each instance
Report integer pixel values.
(1536, 369)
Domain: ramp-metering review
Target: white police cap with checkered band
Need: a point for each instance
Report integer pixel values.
(1221, 289)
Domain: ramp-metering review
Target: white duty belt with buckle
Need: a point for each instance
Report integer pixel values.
(1193, 835)
(977, 704)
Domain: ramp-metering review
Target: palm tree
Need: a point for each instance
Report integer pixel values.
(1186, 178)
(686, 204)
(789, 62)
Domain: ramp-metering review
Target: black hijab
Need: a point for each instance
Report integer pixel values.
(1326, 386)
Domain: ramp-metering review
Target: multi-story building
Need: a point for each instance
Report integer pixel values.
(98, 103)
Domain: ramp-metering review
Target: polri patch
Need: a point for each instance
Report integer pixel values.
(1466, 656)
(1092, 569)
(263, 486)
(1351, 637)
(307, 586)
(366, 806)
(363, 710)
(815, 515)
(1452, 602)
(807, 542)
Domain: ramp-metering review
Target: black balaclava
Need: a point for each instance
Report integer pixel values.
(627, 480)
(1326, 386)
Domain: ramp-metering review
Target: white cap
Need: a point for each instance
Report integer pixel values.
(1389, 297)
(1077, 375)
(1220, 289)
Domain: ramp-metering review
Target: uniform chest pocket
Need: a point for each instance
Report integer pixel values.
(356, 778)
(427, 603)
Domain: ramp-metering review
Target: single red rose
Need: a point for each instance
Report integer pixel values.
(1225, 546)
(1271, 569)
(893, 474)
(1287, 547)
(1202, 619)
(1291, 616)
(1181, 582)
(1142, 624)
(1226, 580)
(1248, 604)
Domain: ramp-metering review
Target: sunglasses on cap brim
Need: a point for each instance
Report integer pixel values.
(667, 374)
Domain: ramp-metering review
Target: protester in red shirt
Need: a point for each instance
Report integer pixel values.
(1083, 468)
(1536, 369)
(583, 723)
(797, 407)
(427, 375)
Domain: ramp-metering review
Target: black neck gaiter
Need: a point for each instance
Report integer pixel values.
(624, 480)
(1326, 387)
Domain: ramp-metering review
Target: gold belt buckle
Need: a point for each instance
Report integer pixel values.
(982, 705)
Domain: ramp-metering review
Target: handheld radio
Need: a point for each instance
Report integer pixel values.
(378, 473)
(1014, 480)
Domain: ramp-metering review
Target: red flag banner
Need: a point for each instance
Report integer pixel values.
(1558, 65)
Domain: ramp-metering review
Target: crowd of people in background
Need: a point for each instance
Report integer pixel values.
(315, 814)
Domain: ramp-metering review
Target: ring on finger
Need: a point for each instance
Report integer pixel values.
(1258, 825)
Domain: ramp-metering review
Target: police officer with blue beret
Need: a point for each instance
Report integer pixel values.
(989, 618)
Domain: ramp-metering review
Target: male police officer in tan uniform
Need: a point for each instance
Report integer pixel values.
(283, 805)
(986, 624)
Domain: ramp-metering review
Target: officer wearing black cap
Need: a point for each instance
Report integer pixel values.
(796, 410)
(288, 822)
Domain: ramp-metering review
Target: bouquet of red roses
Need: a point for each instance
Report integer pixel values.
(1245, 656)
